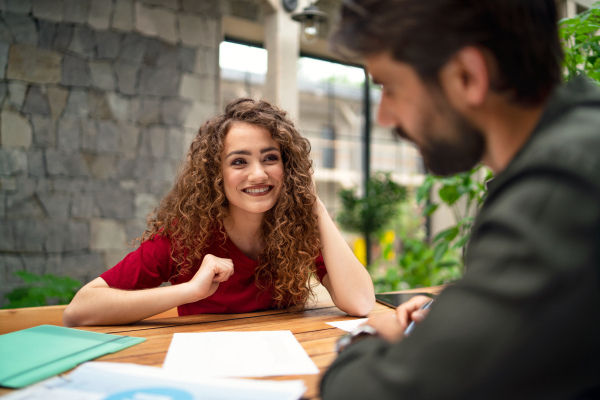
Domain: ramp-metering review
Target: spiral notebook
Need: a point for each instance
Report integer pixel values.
(30, 355)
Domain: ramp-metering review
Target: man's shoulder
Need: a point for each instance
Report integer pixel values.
(571, 122)
(570, 145)
(567, 141)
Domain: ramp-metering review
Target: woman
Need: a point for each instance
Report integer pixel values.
(241, 230)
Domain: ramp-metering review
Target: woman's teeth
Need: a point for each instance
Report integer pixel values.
(261, 190)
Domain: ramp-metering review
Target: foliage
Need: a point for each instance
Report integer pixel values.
(418, 267)
(422, 263)
(581, 43)
(42, 290)
(463, 194)
(372, 213)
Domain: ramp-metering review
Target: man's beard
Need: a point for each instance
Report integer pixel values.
(448, 153)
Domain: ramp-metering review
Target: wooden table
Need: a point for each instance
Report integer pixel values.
(308, 326)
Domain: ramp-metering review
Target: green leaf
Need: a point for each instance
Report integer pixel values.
(461, 242)
(449, 264)
(447, 234)
(440, 251)
(423, 191)
(449, 194)
(430, 209)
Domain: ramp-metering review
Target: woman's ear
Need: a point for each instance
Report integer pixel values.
(465, 78)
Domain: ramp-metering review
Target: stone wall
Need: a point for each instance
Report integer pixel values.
(99, 99)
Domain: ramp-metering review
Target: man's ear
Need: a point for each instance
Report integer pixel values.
(465, 78)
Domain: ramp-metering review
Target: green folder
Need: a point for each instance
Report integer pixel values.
(33, 354)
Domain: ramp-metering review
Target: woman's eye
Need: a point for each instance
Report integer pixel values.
(238, 161)
(271, 157)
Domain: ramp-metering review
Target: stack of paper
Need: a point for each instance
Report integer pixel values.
(118, 381)
(238, 354)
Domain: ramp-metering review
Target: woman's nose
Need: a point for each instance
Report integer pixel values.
(257, 173)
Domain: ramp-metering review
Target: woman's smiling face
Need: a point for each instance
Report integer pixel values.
(252, 169)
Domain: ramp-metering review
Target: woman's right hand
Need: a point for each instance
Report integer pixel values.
(211, 273)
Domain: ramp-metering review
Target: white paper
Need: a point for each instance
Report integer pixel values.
(348, 325)
(238, 354)
(118, 381)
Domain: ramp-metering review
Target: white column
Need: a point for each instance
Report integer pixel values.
(571, 8)
(282, 44)
(566, 8)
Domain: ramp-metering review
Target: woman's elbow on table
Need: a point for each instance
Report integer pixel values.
(361, 307)
(358, 306)
(356, 300)
(80, 314)
(80, 311)
(71, 317)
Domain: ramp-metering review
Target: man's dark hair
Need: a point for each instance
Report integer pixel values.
(520, 35)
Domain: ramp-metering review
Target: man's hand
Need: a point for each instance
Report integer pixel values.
(211, 273)
(410, 311)
(391, 326)
(387, 326)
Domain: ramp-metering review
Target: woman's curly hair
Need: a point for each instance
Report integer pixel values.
(194, 210)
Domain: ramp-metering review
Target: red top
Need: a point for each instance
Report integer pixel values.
(151, 264)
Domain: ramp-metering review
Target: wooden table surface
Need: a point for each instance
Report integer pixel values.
(308, 326)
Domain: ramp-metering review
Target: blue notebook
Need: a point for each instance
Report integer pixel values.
(30, 355)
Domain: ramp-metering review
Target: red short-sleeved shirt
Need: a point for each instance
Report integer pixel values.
(151, 264)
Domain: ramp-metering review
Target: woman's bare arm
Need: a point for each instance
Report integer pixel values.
(98, 304)
(347, 280)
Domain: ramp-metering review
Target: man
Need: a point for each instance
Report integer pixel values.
(479, 80)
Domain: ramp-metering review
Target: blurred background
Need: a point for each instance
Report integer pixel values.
(101, 98)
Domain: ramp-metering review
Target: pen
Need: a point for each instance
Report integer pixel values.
(411, 326)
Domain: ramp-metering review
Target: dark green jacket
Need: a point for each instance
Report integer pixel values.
(524, 322)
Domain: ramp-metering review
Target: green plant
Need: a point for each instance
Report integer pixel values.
(42, 290)
(418, 267)
(422, 263)
(371, 213)
(581, 44)
(463, 194)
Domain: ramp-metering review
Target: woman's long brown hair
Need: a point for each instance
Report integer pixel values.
(194, 210)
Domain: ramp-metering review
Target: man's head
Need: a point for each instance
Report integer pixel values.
(507, 47)
(520, 35)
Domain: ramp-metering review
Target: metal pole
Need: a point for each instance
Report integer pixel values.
(367, 151)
